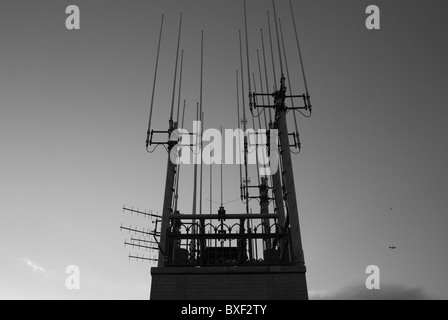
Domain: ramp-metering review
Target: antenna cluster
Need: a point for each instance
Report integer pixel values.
(143, 239)
(267, 231)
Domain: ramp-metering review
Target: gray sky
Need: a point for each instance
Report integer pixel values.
(73, 120)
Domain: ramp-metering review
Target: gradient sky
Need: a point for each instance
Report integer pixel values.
(73, 120)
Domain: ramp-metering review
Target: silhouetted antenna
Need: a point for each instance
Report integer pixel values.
(202, 72)
(300, 53)
(142, 258)
(202, 119)
(239, 131)
(143, 213)
(242, 84)
(154, 87)
(247, 55)
(211, 198)
(142, 231)
(175, 68)
(144, 241)
(139, 246)
(195, 178)
(246, 193)
(296, 136)
(176, 196)
(266, 72)
(200, 179)
(256, 137)
(262, 90)
(221, 177)
(180, 88)
(211, 186)
(259, 125)
(272, 53)
(278, 38)
(241, 238)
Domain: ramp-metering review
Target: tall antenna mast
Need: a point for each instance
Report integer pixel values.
(266, 71)
(202, 118)
(300, 52)
(247, 55)
(262, 90)
(154, 87)
(239, 130)
(296, 136)
(261, 239)
(221, 179)
(278, 38)
(256, 137)
(195, 163)
(246, 187)
(176, 196)
(200, 179)
(175, 69)
(180, 87)
(272, 52)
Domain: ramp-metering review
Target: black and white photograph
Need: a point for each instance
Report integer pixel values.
(246, 151)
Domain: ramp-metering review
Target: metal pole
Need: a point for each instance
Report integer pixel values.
(288, 175)
(154, 86)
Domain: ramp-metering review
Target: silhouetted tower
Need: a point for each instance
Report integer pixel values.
(243, 255)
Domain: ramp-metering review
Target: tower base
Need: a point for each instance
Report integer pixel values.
(229, 283)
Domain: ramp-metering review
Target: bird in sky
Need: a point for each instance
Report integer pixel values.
(392, 247)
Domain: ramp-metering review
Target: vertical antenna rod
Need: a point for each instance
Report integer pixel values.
(278, 39)
(263, 185)
(262, 90)
(247, 55)
(272, 53)
(200, 174)
(180, 87)
(202, 117)
(259, 120)
(154, 86)
(239, 130)
(266, 71)
(175, 69)
(195, 162)
(298, 47)
(256, 135)
(211, 199)
(246, 191)
(176, 196)
(202, 70)
(289, 81)
(221, 179)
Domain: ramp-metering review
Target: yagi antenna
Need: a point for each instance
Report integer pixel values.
(142, 258)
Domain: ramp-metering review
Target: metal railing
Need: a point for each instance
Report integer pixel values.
(235, 240)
